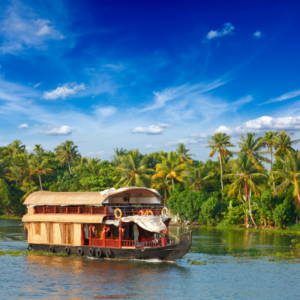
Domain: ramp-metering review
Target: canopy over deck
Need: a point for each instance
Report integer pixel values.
(137, 194)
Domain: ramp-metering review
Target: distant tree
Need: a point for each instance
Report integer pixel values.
(39, 166)
(220, 142)
(66, 153)
(14, 148)
(183, 154)
(170, 168)
(246, 179)
(134, 170)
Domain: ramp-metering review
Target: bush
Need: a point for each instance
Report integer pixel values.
(187, 204)
(284, 214)
(211, 211)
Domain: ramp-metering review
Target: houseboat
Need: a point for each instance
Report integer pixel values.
(126, 223)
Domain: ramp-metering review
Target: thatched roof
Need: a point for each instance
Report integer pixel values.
(83, 198)
(63, 218)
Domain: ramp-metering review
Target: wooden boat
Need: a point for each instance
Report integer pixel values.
(127, 223)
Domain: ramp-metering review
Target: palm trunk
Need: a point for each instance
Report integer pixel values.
(69, 167)
(165, 200)
(40, 182)
(272, 170)
(248, 197)
(297, 205)
(221, 168)
(173, 184)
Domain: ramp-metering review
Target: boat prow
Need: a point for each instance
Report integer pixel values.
(180, 249)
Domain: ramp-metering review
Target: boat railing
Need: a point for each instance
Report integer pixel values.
(109, 211)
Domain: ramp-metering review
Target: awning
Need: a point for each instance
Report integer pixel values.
(64, 218)
(150, 223)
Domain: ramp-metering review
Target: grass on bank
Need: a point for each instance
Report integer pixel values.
(27, 252)
(294, 229)
(5, 217)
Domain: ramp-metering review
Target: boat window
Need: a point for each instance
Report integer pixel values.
(98, 231)
(37, 229)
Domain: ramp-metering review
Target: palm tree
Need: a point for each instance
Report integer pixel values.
(246, 179)
(284, 144)
(116, 159)
(270, 142)
(93, 165)
(38, 149)
(220, 142)
(66, 153)
(162, 184)
(14, 148)
(198, 177)
(133, 170)
(28, 188)
(39, 166)
(183, 153)
(170, 168)
(291, 175)
(252, 145)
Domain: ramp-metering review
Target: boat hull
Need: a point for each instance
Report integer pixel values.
(168, 253)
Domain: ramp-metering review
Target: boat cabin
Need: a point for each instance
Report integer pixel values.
(81, 222)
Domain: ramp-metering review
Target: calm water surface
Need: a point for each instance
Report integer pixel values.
(223, 277)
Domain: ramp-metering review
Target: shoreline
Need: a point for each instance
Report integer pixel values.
(4, 217)
(235, 227)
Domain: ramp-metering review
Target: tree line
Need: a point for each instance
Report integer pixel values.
(255, 186)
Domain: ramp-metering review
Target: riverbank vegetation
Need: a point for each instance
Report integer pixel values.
(256, 186)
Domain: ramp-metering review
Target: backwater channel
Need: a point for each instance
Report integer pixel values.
(227, 270)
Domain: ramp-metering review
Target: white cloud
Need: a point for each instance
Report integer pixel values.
(23, 126)
(153, 129)
(164, 125)
(105, 111)
(148, 146)
(181, 92)
(227, 29)
(64, 91)
(36, 85)
(63, 130)
(263, 123)
(257, 34)
(23, 29)
(284, 97)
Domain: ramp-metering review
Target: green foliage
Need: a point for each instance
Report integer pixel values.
(187, 204)
(284, 214)
(211, 211)
(5, 196)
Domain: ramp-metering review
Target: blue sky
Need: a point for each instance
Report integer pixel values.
(147, 74)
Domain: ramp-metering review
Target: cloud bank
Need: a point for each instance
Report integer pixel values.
(263, 123)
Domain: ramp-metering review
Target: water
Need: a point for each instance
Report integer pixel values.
(223, 276)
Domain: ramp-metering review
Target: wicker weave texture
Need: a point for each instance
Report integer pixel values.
(77, 235)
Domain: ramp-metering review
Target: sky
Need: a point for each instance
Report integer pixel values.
(147, 75)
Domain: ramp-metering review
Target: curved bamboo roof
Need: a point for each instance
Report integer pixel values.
(63, 218)
(84, 198)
